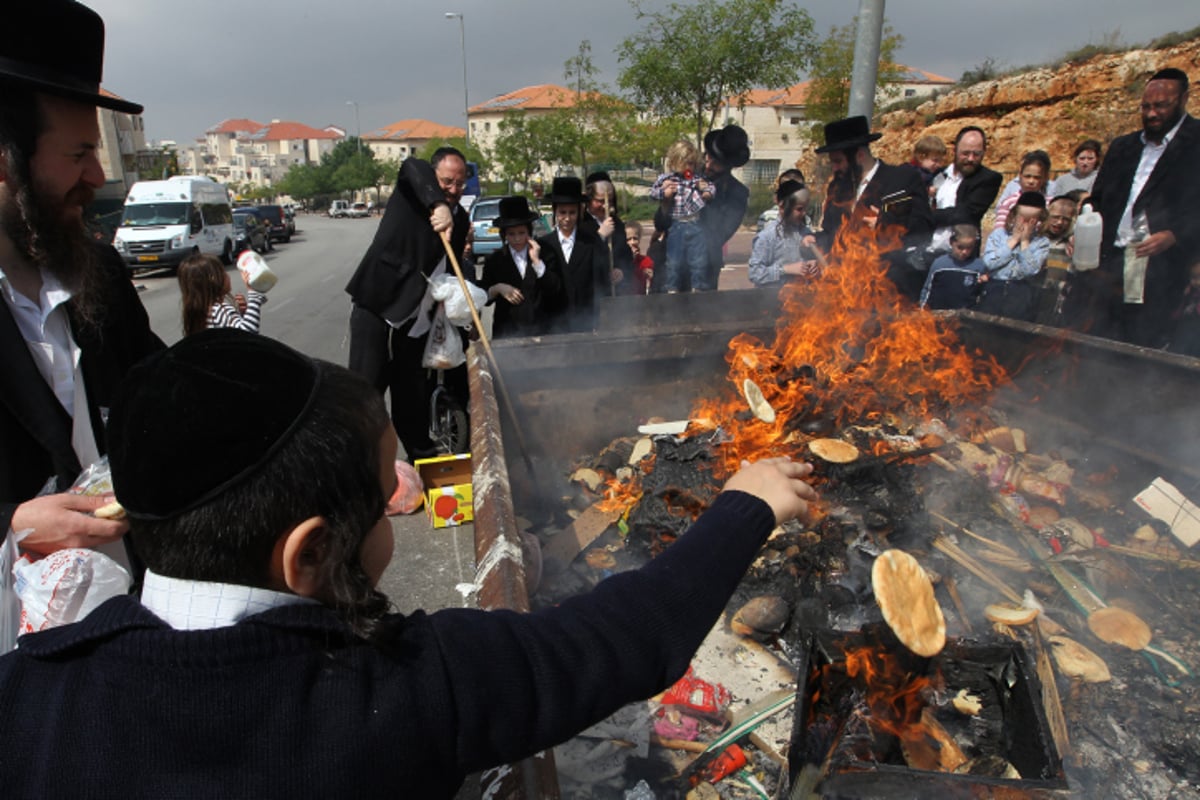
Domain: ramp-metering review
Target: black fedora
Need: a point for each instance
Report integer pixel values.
(843, 134)
(729, 145)
(59, 50)
(514, 211)
(565, 189)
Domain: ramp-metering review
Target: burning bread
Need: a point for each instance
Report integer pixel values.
(1118, 626)
(1009, 614)
(835, 451)
(905, 596)
(758, 404)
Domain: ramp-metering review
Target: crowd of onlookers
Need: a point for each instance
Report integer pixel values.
(966, 241)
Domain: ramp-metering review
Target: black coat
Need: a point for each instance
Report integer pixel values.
(721, 217)
(622, 256)
(390, 279)
(897, 191)
(582, 278)
(972, 200)
(1170, 199)
(35, 431)
(533, 316)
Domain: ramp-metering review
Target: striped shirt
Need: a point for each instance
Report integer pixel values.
(225, 314)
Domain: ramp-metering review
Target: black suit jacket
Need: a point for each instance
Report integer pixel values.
(972, 200)
(622, 256)
(533, 316)
(1170, 199)
(897, 191)
(35, 431)
(390, 279)
(721, 217)
(582, 278)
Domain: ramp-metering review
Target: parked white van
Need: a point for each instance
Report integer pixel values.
(166, 221)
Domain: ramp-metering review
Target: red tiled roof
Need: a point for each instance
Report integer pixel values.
(236, 126)
(279, 131)
(421, 129)
(542, 96)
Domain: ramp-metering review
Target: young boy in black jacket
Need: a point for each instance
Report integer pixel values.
(262, 662)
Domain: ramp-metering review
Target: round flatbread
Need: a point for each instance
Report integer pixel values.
(1118, 626)
(835, 451)
(905, 596)
(758, 404)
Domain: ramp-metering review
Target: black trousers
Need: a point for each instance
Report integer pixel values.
(391, 360)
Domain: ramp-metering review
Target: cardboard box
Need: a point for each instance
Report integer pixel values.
(447, 481)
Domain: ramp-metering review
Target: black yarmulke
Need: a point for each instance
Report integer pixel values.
(1032, 200)
(201, 416)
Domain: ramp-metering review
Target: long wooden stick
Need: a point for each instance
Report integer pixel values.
(487, 348)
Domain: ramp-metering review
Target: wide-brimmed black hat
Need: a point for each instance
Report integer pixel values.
(57, 47)
(514, 211)
(729, 145)
(843, 134)
(565, 189)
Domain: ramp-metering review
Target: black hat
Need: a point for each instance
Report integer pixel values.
(1032, 200)
(843, 134)
(787, 188)
(729, 145)
(514, 211)
(57, 47)
(200, 417)
(565, 189)
(596, 177)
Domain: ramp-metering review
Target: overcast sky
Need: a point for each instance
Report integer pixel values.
(193, 65)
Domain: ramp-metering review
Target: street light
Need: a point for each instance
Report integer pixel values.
(462, 36)
(357, 127)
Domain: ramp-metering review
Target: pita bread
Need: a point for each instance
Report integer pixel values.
(1118, 626)
(1076, 661)
(1008, 614)
(905, 595)
(113, 510)
(835, 451)
(758, 404)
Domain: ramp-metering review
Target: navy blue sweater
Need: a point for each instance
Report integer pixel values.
(289, 703)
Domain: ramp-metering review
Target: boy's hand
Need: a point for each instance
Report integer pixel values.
(535, 251)
(779, 482)
(606, 228)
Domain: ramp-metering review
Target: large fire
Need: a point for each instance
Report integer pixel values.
(847, 347)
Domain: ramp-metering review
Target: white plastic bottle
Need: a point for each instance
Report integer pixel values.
(1088, 228)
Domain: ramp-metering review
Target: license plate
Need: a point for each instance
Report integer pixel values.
(147, 258)
(493, 231)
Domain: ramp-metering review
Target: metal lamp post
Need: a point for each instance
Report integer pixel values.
(357, 127)
(462, 36)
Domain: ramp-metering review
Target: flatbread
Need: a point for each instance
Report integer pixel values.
(905, 596)
(1118, 626)
(835, 451)
(758, 404)
(113, 510)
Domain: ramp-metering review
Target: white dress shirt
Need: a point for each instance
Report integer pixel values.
(946, 197)
(202, 605)
(521, 259)
(1151, 153)
(567, 243)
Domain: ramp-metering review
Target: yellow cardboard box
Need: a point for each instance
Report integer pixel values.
(447, 481)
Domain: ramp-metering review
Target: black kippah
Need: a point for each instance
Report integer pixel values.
(203, 415)
(1032, 200)
(787, 188)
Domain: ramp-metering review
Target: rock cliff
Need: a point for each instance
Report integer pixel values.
(1049, 108)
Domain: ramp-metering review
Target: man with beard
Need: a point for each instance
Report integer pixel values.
(71, 323)
(866, 194)
(1147, 192)
(965, 189)
(392, 310)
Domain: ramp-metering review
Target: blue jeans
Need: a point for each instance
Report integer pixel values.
(687, 257)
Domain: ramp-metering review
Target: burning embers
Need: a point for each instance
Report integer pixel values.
(874, 720)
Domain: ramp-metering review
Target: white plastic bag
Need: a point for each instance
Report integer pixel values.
(443, 343)
(65, 587)
(446, 289)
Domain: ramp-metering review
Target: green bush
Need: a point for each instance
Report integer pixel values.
(1172, 39)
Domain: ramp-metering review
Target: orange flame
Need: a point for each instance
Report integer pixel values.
(894, 697)
(847, 347)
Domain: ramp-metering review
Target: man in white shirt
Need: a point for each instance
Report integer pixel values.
(1148, 193)
(71, 323)
(965, 190)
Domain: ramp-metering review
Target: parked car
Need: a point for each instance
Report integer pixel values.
(263, 220)
(487, 236)
(279, 227)
(289, 216)
(766, 216)
(338, 208)
(359, 210)
(249, 233)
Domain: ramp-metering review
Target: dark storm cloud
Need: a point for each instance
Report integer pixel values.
(193, 65)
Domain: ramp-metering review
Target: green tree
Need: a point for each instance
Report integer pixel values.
(526, 141)
(358, 172)
(691, 59)
(829, 77)
(303, 182)
(471, 151)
